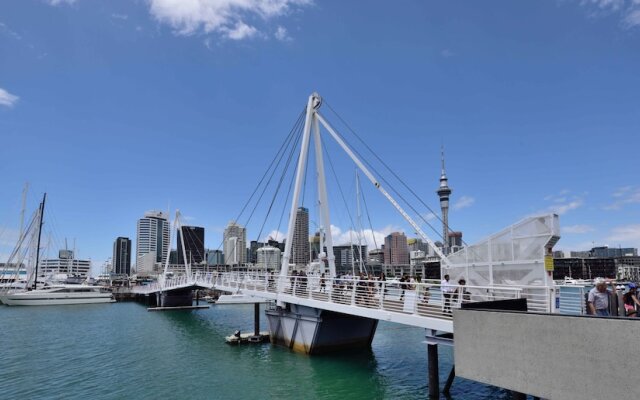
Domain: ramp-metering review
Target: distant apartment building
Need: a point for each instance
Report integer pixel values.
(268, 257)
(215, 257)
(235, 244)
(193, 245)
(300, 254)
(152, 244)
(65, 264)
(348, 256)
(122, 256)
(396, 250)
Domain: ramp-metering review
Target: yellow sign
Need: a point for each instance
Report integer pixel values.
(548, 263)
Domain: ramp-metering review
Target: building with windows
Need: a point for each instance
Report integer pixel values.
(396, 250)
(215, 257)
(193, 245)
(122, 256)
(152, 242)
(235, 244)
(348, 257)
(300, 254)
(268, 258)
(65, 264)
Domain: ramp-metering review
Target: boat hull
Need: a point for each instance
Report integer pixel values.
(49, 299)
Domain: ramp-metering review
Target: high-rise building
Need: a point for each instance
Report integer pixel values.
(253, 250)
(347, 254)
(193, 245)
(122, 256)
(152, 244)
(444, 192)
(235, 244)
(300, 245)
(396, 250)
(215, 257)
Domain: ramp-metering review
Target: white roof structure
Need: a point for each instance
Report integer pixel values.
(513, 256)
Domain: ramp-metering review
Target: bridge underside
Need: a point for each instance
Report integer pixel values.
(314, 331)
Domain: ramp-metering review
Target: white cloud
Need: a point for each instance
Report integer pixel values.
(626, 234)
(562, 203)
(446, 53)
(624, 196)
(563, 208)
(282, 34)
(577, 229)
(240, 31)
(60, 2)
(7, 99)
(120, 16)
(371, 238)
(463, 202)
(628, 10)
(4, 28)
(227, 18)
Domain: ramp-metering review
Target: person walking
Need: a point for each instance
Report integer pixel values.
(447, 289)
(598, 299)
(630, 300)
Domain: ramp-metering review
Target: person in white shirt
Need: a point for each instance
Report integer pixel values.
(447, 290)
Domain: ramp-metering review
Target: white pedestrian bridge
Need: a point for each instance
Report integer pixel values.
(420, 304)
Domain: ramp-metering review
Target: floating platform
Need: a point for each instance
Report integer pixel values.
(176, 308)
(245, 338)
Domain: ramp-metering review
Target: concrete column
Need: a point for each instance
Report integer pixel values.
(432, 361)
(256, 319)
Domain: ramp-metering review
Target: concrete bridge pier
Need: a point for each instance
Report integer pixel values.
(434, 377)
(175, 298)
(314, 331)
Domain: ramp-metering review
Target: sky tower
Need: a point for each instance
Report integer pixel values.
(443, 192)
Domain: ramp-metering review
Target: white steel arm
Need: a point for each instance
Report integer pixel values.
(380, 188)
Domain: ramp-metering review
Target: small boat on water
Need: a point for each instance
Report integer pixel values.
(58, 295)
(237, 298)
(242, 338)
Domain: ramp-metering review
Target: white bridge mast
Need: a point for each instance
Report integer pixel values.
(312, 120)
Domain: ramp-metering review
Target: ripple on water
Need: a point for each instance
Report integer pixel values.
(121, 351)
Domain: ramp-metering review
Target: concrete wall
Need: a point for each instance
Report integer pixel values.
(550, 356)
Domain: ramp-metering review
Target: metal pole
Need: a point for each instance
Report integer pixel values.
(35, 279)
(432, 360)
(449, 382)
(256, 319)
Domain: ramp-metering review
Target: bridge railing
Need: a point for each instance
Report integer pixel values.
(428, 299)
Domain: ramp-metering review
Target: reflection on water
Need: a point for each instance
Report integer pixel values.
(123, 351)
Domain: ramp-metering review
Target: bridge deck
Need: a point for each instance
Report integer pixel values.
(424, 304)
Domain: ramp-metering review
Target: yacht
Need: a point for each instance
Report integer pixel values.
(58, 295)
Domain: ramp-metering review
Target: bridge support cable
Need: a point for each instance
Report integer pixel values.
(375, 182)
(276, 160)
(386, 166)
(277, 190)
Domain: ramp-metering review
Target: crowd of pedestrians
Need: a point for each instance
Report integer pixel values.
(601, 300)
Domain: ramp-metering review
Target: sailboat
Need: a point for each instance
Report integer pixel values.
(53, 294)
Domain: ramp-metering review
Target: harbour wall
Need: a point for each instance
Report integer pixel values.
(548, 355)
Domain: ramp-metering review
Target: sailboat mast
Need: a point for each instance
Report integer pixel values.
(35, 280)
(24, 205)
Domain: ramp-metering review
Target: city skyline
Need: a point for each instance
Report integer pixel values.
(536, 114)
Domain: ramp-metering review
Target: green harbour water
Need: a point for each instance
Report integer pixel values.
(122, 351)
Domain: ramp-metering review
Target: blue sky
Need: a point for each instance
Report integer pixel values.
(115, 108)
